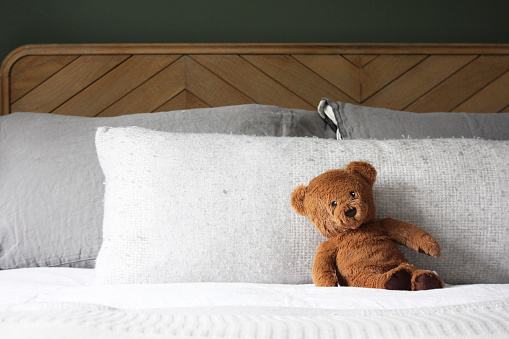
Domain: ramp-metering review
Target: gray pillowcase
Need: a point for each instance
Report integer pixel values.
(361, 122)
(51, 184)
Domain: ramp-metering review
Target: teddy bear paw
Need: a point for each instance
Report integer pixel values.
(427, 281)
(400, 280)
(429, 246)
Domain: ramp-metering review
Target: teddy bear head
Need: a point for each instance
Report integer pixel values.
(338, 200)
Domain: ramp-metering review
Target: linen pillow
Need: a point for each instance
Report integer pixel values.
(51, 184)
(361, 122)
(193, 208)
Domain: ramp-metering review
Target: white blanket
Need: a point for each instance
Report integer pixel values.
(57, 302)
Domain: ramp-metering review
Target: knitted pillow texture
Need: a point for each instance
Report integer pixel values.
(216, 208)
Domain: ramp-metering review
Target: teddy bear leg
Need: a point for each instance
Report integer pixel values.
(425, 280)
(395, 279)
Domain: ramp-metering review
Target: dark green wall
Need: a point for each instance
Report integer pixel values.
(114, 21)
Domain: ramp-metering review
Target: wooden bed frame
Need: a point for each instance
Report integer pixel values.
(115, 79)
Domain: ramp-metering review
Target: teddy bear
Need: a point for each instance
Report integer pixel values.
(361, 250)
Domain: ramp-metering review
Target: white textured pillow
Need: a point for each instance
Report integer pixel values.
(212, 207)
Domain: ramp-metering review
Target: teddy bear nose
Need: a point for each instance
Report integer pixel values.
(351, 212)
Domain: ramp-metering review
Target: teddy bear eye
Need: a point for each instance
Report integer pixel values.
(334, 204)
(352, 194)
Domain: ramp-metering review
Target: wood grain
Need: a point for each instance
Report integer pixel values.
(68, 81)
(336, 70)
(419, 80)
(253, 83)
(113, 79)
(183, 100)
(211, 88)
(385, 69)
(492, 98)
(462, 85)
(114, 85)
(30, 71)
(151, 94)
(359, 60)
(297, 78)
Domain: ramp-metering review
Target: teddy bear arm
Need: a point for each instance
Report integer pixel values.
(411, 236)
(324, 266)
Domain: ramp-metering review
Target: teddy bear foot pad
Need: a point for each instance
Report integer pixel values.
(426, 282)
(400, 280)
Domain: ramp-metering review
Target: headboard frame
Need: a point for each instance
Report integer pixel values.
(115, 79)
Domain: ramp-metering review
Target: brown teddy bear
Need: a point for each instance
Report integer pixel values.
(361, 250)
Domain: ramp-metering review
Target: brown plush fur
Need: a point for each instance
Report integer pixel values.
(361, 250)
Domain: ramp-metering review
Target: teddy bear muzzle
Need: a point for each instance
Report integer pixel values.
(351, 212)
(350, 215)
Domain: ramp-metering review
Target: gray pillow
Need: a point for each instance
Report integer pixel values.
(51, 184)
(361, 122)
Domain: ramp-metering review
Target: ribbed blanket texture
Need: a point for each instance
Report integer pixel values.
(57, 320)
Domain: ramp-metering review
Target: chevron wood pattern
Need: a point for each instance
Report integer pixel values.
(33, 70)
(68, 81)
(115, 81)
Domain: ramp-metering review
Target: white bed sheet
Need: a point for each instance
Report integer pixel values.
(58, 302)
(75, 285)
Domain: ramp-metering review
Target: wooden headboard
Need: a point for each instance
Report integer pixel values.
(109, 80)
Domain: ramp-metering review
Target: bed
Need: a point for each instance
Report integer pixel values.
(145, 188)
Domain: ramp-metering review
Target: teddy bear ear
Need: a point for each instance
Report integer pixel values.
(364, 169)
(298, 195)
